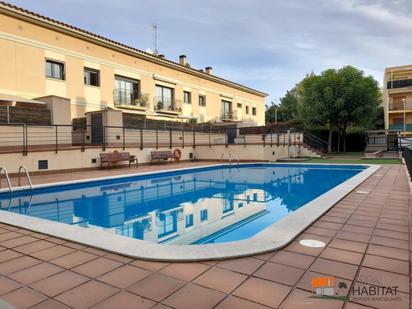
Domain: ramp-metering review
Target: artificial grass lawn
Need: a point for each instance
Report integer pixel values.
(356, 161)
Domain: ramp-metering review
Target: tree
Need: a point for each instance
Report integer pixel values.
(287, 109)
(339, 98)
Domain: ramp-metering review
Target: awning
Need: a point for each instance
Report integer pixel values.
(17, 99)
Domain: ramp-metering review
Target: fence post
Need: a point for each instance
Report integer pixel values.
(183, 137)
(104, 139)
(82, 136)
(124, 138)
(157, 138)
(194, 136)
(56, 150)
(271, 136)
(226, 137)
(170, 139)
(141, 138)
(277, 139)
(210, 136)
(284, 139)
(24, 140)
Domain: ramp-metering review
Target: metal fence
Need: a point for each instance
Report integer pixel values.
(407, 155)
(22, 138)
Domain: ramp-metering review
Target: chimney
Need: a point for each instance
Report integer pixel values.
(183, 60)
(161, 56)
(208, 70)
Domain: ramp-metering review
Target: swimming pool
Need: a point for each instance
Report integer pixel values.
(196, 206)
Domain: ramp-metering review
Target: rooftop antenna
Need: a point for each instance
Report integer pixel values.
(154, 29)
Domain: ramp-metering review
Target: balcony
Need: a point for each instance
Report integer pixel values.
(400, 106)
(400, 127)
(131, 99)
(402, 83)
(229, 116)
(167, 105)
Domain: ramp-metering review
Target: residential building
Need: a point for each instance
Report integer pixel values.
(398, 99)
(42, 57)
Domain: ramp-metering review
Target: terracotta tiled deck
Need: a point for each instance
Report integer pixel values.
(367, 236)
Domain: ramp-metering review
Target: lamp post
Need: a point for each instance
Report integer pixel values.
(404, 115)
(276, 111)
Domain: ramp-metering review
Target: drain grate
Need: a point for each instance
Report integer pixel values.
(312, 243)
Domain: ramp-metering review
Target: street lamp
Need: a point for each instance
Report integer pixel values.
(276, 111)
(404, 115)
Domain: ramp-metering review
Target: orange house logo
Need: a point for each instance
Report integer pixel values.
(324, 287)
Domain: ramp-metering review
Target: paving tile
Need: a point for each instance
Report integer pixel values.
(348, 245)
(87, 294)
(7, 255)
(301, 299)
(327, 225)
(35, 273)
(149, 265)
(125, 300)
(124, 276)
(58, 283)
(194, 296)
(9, 235)
(298, 248)
(17, 264)
(383, 278)
(353, 236)
(73, 259)
(119, 258)
(279, 273)
(390, 227)
(94, 251)
(264, 292)
(400, 254)
(246, 265)
(236, 302)
(184, 271)
(305, 283)
(7, 285)
(387, 264)
(338, 269)
(11, 243)
(156, 287)
(293, 259)
(97, 267)
(351, 305)
(52, 253)
(50, 304)
(220, 279)
(357, 229)
(391, 234)
(264, 256)
(320, 231)
(34, 246)
(344, 256)
(23, 298)
(390, 242)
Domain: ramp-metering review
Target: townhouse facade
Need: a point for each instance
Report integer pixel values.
(398, 99)
(42, 57)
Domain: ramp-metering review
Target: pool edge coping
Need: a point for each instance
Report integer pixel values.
(274, 237)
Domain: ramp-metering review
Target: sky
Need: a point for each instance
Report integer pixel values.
(269, 45)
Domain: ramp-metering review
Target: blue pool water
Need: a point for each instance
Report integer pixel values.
(205, 205)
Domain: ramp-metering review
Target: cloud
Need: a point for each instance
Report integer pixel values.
(268, 45)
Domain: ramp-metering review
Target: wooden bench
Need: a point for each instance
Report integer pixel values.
(114, 157)
(161, 155)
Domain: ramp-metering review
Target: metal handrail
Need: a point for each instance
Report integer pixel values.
(228, 157)
(22, 167)
(2, 169)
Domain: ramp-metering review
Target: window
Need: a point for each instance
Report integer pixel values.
(164, 98)
(226, 109)
(126, 90)
(189, 220)
(187, 97)
(91, 77)
(202, 100)
(254, 111)
(203, 215)
(239, 105)
(54, 69)
(247, 110)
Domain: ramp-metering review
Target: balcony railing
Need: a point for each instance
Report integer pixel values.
(167, 105)
(131, 99)
(400, 106)
(399, 83)
(229, 116)
(400, 127)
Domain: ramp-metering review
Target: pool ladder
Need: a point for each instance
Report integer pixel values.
(22, 169)
(228, 156)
